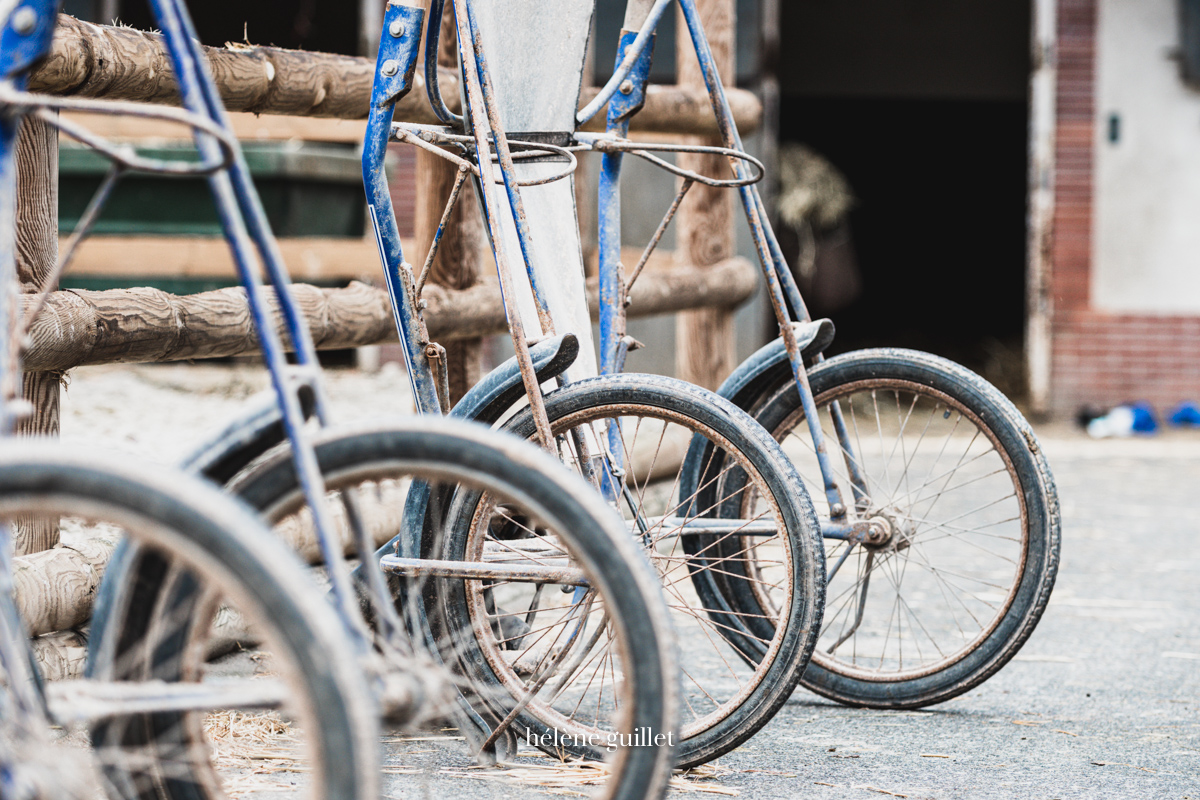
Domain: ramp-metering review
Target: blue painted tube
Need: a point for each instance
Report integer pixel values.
(612, 313)
(200, 96)
(385, 91)
(622, 106)
(641, 41)
(610, 254)
(387, 237)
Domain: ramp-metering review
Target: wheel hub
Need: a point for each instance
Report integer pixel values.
(886, 532)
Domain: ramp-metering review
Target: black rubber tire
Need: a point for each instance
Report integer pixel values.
(921, 373)
(458, 452)
(591, 398)
(173, 516)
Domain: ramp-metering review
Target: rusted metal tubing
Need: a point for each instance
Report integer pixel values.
(701, 526)
(488, 571)
(125, 64)
(79, 327)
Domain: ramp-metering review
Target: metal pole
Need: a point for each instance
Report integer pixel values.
(1042, 112)
(704, 339)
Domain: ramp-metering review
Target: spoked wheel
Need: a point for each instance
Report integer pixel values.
(966, 526)
(720, 512)
(535, 594)
(188, 700)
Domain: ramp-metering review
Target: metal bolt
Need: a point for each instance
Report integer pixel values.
(837, 510)
(24, 20)
(879, 531)
(390, 67)
(396, 29)
(626, 87)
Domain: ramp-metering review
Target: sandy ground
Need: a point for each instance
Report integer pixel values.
(161, 412)
(1104, 700)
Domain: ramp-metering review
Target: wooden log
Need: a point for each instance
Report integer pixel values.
(121, 63)
(139, 325)
(37, 203)
(461, 252)
(61, 656)
(55, 588)
(382, 507)
(37, 253)
(79, 327)
(245, 126)
(90, 60)
(704, 223)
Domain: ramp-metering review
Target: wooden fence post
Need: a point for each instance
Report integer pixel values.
(460, 254)
(37, 252)
(704, 338)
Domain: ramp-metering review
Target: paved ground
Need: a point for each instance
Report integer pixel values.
(1104, 700)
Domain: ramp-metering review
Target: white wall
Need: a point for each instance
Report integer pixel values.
(1147, 191)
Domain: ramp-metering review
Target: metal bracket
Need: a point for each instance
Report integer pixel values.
(436, 354)
(26, 35)
(399, 44)
(631, 93)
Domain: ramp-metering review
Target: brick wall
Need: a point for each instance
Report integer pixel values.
(1099, 358)
(402, 177)
(1106, 359)
(1074, 156)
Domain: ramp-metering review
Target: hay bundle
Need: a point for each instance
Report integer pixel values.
(811, 189)
(814, 206)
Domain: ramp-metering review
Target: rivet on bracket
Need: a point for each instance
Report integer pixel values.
(24, 20)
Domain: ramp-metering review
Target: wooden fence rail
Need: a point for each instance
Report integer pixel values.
(80, 327)
(90, 60)
(57, 586)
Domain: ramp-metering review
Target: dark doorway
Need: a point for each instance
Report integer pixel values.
(921, 104)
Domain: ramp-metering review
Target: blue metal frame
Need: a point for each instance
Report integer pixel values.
(296, 387)
(781, 285)
(485, 132)
(247, 231)
(245, 228)
(25, 38)
(623, 94)
(399, 54)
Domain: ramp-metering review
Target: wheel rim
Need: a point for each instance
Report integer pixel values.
(202, 638)
(563, 633)
(950, 570)
(459, 637)
(719, 674)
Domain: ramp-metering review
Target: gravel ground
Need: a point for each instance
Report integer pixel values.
(1103, 701)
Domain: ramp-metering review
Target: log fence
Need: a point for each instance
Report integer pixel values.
(79, 327)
